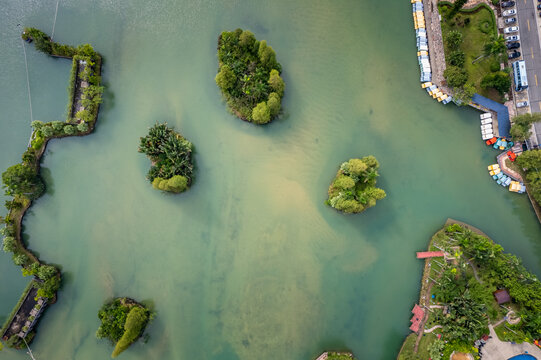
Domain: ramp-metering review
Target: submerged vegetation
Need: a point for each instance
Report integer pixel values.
(354, 190)
(463, 286)
(171, 156)
(23, 181)
(123, 321)
(249, 76)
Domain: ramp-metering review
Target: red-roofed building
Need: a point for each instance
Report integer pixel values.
(429, 254)
(418, 315)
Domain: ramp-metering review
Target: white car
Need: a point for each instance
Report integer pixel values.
(509, 12)
(510, 29)
(522, 104)
(512, 38)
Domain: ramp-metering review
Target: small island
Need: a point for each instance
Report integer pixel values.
(123, 321)
(171, 155)
(354, 190)
(336, 355)
(249, 76)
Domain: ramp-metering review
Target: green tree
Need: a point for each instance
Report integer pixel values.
(57, 125)
(82, 127)
(455, 76)
(135, 324)
(46, 272)
(521, 127)
(69, 129)
(226, 78)
(20, 259)
(247, 39)
(454, 39)
(261, 113)
(267, 56)
(500, 81)
(22, 180)
(276, 82)
(464, 94)
(457, 58)
(177, 184)
(36, 124)
(9, 244)
(47, 131)
(344, 182)
(435, 349)
(274, 103)
(496, 46)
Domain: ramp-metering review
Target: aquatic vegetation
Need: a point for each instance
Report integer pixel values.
(249, 76)
(123, 321)
(171, 156)
(354, 190)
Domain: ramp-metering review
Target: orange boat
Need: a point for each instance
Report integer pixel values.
(491, 141)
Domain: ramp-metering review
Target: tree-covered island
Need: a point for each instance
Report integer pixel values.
(171, 156)
(123, 321)
(354, 190)
(249, 76)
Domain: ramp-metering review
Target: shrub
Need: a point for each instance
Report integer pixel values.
(23, 180)
(457, 58)
(261, 114)
(454, 40)
(47, 131)
(20, 259)
(500, 81)
(9, 244)
(69, 129)
(82, 127)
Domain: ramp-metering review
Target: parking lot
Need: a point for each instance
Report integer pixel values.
(530, 47)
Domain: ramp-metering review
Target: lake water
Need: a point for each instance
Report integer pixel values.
(249, 263)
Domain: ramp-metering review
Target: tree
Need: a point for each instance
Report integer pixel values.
(500, 81)
(177, 184)
(454, 40)
(69, 129)
(267, 56)
(47, 131)
(36, 124)
(57, 125)
(344, 182)
(464, 94)
(521, 128)
(276, 82)
(45, 272)
(9, 244)
(457, 5)
(261, 113)
(274, 103)
(226, 78)
(455, 76)
(496, 46)
(20, 259)
(457, 58)
(82, 127)
(22, 180)
(435, 349)
(247, 39)
(135, 323)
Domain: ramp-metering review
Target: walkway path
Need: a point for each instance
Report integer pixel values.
(435, 44)
(506, 170)
(495, 349)
(433, 328)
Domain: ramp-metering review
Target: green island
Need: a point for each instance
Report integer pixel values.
(472, 289)
(123, 321)
(24, 184)
(354, 190)
(473, 51)
(171, 156)
(249, 76)
(336, 355)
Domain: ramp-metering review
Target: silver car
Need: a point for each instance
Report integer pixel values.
(522, 104)
(509, 12)
(510, 29)
(512, 38)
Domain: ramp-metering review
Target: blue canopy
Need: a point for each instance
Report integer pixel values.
(503, 113)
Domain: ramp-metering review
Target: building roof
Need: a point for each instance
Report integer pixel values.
(502, 296)
(503, 113)
(418, 314)
(429, 254)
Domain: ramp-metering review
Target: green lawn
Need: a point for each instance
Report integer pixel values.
(407, 353)
(477, 28)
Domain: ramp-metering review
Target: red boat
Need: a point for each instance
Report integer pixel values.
(511, 155)
(491, 141)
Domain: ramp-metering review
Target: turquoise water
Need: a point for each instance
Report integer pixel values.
(523, 357)
(249, 262)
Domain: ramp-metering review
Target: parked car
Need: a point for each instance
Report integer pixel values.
(513, 45)
(515, 54)
(510, 12)
(510, 20)
(510, 29)
(507, 4)
(539, 7)
(522, 104)
(512, 38)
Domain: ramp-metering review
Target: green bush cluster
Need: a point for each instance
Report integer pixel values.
(530, 162)
(521, 127)
(171, 156)
(354, 190)
(122, 321)
(249, 76)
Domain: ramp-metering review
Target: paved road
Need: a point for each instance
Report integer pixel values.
(530, 47)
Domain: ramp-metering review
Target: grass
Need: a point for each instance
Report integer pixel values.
(476, 32)
(406, 353)
(504, 334)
